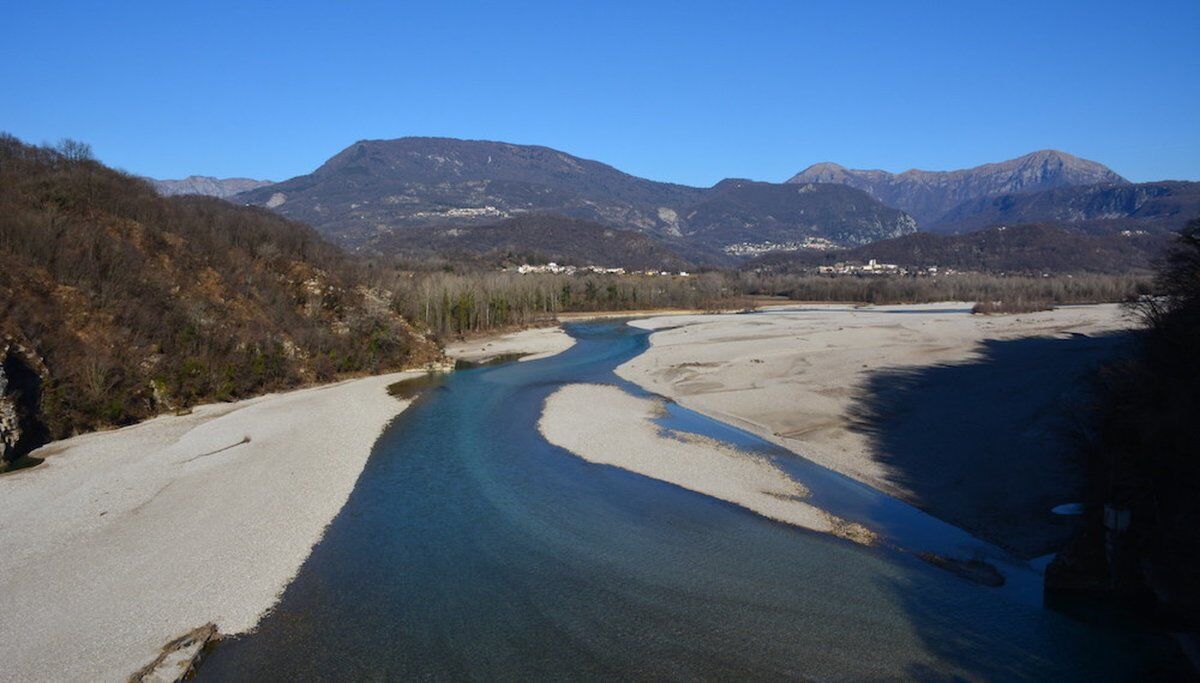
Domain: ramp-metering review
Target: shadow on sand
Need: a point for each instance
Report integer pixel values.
(986, 444)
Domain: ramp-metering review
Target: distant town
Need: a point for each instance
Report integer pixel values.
(872, 267)
(751, 249)
(526, 269)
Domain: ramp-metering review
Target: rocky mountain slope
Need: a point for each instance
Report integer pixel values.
(929, 195)
(376, 187)
(206, 185)
(117, 304)
(1150, 207)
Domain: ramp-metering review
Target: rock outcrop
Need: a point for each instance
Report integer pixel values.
(21, 377)
(1154, 208)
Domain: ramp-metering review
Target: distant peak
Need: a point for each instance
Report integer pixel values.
(1055, 155)
(1085, 170)
(824, 166)
(735, 181)
(1050, 153)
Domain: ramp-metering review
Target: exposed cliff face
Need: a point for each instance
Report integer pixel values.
(1151, 207)
(928, 195)
(21, 377)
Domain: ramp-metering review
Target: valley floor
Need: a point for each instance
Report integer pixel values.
(967, 417)
(122, 540)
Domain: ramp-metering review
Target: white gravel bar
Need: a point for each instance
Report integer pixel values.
(123, 540)
(604, 425)
(539, 342)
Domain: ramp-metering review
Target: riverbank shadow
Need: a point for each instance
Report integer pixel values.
(987, 444)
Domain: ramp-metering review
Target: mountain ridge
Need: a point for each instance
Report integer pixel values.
(375, 187)
(211, 186)
(418, 181)
(929, 195)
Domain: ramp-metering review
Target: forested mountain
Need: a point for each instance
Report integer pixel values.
(382, 186)
(929, 195)
(533, 238)
(206, 185)
(1151, 207)
(1018, 249)
(117, 303)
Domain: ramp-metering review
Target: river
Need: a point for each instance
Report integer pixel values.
(473, 549)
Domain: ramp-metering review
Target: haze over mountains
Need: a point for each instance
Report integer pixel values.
(416, 196)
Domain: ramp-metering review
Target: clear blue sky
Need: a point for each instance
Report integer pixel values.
(689, 92)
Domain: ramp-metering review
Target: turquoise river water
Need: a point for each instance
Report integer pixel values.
(473, 549)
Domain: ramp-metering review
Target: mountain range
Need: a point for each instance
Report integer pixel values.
(376, 187)
(421, 195)
(929, 195)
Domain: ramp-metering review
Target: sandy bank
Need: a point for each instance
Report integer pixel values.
(605, 425)
(951, 412)
(536, 343)
(577, 316)
(123, 540)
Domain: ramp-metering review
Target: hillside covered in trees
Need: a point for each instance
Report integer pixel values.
(117, 304)
(1143, 457)
(1031, 249)
(532, 238)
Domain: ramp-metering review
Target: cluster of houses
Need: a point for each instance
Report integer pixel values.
(751, 249)
(552, 267)
(874, 267)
